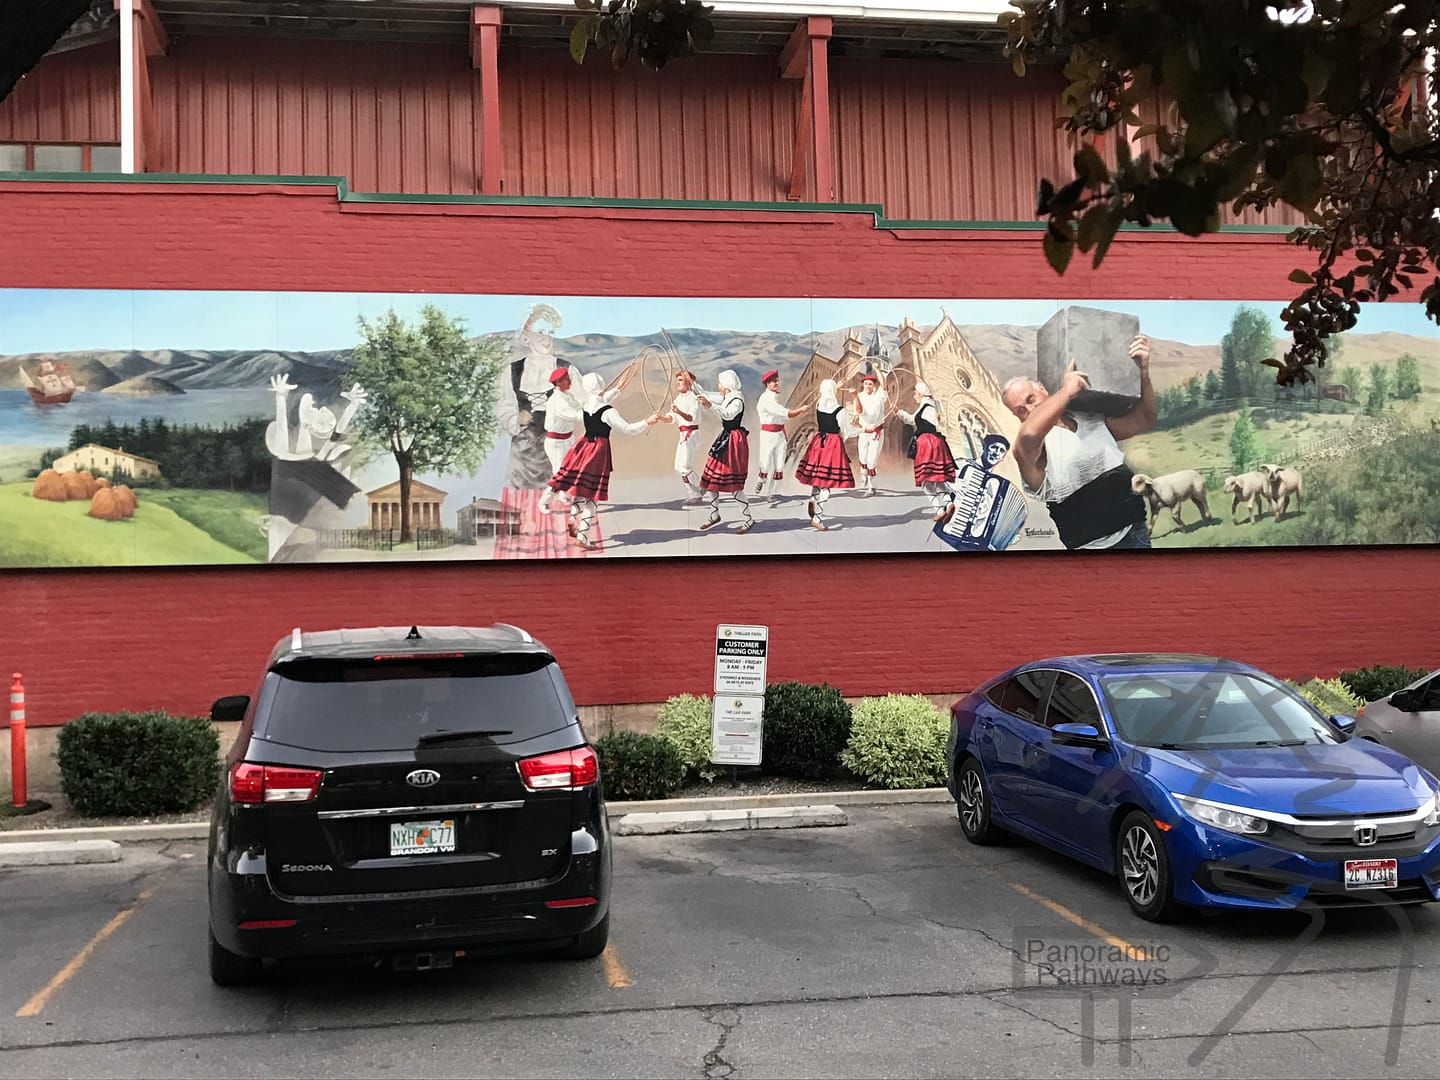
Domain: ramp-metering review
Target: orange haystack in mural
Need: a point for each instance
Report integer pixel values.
(77, 485)
(49, 486)
(126, 498)
(106, 506)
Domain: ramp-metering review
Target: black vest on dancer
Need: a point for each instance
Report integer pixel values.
(717, 448)
(595, 428)
(827, 423)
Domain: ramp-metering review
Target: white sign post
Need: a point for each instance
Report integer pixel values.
(736, 722)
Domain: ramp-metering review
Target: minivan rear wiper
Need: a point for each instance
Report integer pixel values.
(440, 737)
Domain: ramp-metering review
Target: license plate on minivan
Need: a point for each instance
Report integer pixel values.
(421, 837)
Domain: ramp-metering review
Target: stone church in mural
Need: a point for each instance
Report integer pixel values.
(966, 392)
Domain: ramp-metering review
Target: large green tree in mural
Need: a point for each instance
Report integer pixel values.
(430, 396)
(1320, 105)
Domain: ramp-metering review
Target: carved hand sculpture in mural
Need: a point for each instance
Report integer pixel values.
(317, 431)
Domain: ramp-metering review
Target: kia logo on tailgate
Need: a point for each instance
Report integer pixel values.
(423, 778)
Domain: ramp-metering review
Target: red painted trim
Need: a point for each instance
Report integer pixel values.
(485, 55)
(820, 113)
(150, 29)
(799, 159)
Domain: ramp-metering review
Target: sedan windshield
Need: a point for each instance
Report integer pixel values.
(1211, 710)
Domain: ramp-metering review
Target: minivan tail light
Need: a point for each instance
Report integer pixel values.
(251, 783)
(562, 769)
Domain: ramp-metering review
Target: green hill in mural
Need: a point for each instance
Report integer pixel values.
(39, 533)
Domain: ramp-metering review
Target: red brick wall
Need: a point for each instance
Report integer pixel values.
(178, 638)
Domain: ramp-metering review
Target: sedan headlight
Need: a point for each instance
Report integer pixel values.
(1432, 810)
(1229, 818)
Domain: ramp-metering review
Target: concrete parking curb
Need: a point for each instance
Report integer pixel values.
(199, 830)
(58, 853)
(693, 821)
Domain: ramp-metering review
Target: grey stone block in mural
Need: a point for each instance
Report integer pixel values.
(1099, 342)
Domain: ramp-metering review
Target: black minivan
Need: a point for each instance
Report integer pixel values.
(411, 795)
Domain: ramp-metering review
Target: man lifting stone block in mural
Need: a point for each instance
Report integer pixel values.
(1068, 444)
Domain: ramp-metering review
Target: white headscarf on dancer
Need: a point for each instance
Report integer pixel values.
(922, 391)
(828, 401)
(729, 382)
(591, 385)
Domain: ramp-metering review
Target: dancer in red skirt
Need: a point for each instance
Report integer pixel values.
(934, 464)
(585, 472)
(728, 466)
(825, 465)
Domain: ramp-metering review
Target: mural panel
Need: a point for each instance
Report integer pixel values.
(197, 428)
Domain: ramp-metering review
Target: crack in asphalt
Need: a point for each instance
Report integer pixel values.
(714, 1066)
(998, 996)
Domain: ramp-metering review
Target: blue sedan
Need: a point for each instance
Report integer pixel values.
(1199, 782)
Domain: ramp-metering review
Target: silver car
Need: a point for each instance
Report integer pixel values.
(1408, 721)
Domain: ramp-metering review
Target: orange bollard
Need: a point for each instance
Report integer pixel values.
(17, 742)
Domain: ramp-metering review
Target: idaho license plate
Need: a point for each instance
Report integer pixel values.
(1371, 873)
(421, 837)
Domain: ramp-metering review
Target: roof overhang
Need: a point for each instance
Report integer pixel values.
(913, 29)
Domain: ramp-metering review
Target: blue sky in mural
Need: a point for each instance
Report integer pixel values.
(36, 320)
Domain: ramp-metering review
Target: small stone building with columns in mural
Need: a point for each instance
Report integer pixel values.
(383, 510)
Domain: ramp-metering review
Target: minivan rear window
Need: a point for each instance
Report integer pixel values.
(368, 705)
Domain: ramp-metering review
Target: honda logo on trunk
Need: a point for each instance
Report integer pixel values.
(423, 778)
(1364, 835)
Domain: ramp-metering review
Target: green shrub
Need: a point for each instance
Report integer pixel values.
(131, 764)
(1374, 683)
(685, 721)
(805, 729)
(1329, 696)
(638, 766)
(898, 741)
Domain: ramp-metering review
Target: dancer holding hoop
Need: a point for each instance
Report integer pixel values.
(773, 415)
(585, 472)
(728, 465)
(871, 407)
(934, 464)
(685, 412)
(825, 465)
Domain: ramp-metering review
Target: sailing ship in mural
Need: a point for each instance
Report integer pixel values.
(49, 385)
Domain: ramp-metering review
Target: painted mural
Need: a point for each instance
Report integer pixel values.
(198, 428)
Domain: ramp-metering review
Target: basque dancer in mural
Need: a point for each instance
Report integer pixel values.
(728, 465)
(520, 403)
(685, 412)
(934, 464)
(773, 415)
(585, 472)
(562, 416)
(871, 405)
(824, 465)
(1073, 462)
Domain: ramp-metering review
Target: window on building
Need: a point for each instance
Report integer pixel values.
(59, 157)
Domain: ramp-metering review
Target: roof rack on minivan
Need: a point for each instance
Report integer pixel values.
(295, 639)
(524, 635)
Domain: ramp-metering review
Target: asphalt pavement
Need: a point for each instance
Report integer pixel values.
(889, 947)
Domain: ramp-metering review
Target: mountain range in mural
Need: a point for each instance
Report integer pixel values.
(1006, 349)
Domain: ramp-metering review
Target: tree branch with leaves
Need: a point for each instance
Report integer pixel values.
(1322, 106)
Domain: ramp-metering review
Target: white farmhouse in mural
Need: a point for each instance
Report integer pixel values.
(95, 458)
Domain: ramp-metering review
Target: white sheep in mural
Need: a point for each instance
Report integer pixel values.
(1248, 488)
(1172, 490)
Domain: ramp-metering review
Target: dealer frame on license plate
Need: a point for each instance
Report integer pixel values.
(1372, 873)
(422, 837)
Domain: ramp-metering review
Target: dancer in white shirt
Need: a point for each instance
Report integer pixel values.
(871, 406)
(773, 415)
(728, 465)
(562, 416)
(585, 473)
(685, 412)
(825, 465)
(934, 464)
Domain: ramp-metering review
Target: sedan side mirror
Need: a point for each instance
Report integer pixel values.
(1345, 724)
(1077, 735)
(229, 710)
